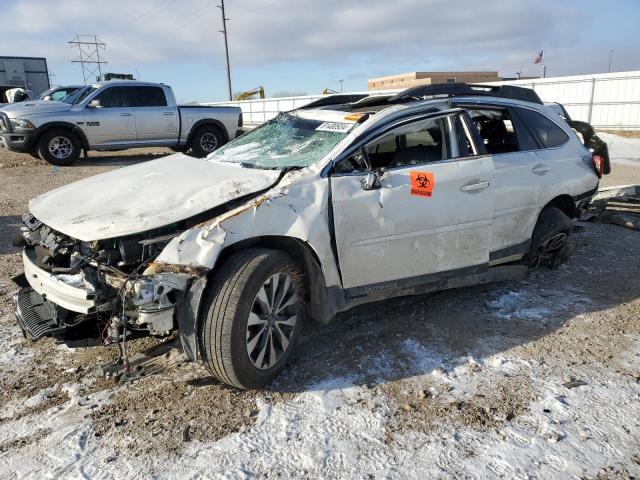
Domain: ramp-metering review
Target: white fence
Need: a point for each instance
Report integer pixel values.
(256, 112)
(607, 101)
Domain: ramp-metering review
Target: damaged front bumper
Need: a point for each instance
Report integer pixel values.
(50, 303)
(74, 298)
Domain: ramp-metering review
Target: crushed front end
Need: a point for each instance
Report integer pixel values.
(106, 289)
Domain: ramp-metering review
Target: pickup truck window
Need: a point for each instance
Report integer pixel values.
(116, 97)
(285, 141)
(149, 97)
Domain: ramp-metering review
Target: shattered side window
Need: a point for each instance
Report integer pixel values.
(285, 141)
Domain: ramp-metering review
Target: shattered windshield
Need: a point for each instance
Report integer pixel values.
(285, 141)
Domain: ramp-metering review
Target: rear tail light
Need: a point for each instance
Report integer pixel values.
(598, 164)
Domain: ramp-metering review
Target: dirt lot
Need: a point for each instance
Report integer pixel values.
(537, 379)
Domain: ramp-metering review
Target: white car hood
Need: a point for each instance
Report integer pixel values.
(145, 196)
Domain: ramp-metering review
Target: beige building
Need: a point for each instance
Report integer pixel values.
(413, 79)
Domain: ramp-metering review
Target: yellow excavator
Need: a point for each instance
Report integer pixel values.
(250, 93)
(328, 91)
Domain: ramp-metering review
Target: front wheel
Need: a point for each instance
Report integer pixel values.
(59, 146)
(206, 140)
(252, 317)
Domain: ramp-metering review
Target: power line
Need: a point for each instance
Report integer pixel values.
(185, 20)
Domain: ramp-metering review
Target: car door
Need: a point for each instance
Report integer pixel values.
(516, 168)
(430, 214)
(156, 122)
(557, 158)
(112, 122)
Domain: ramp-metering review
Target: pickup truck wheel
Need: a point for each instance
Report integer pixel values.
(252, 317)
(549, 245)
(206, 139)
(59, 146)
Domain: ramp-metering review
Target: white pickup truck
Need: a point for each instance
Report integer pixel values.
(115, 115)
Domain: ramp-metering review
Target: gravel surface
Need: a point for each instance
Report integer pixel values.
(535, 379)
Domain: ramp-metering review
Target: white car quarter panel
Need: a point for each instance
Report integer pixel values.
(516, 198)
(389, 234)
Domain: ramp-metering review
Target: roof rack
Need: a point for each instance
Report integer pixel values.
(338, 99)
(466, 90)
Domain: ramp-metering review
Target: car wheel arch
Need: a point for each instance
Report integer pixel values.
(565, 203)
(77, 131)
(304, 255)
(205, 122)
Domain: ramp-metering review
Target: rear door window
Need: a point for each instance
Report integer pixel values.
(550, 134)
(500, 133)
(149, 97)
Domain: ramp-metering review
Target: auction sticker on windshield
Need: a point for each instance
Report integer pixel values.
(338, 127)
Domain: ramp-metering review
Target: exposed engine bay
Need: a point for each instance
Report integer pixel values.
(111, 286)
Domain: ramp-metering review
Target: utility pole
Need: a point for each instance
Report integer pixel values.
(89, 56)
(226, 46)
(610, 59)
(341, 84)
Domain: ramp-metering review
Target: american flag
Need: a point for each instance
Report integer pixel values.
(539, 58)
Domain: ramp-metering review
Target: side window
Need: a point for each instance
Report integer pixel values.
(413, 144)
(59, 95)
(549, 133)
(149, 97)
(115, 97)
(419, 142)
(499, 133)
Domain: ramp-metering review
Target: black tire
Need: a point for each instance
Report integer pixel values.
(60, 140)
(549, 246)
(224, 331)
(207, 139)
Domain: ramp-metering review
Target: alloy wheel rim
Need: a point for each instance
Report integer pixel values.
(550, 248)
(60, 147)
(208, 142)
(272, 321)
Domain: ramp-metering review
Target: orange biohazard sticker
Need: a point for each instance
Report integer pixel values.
(421, 183)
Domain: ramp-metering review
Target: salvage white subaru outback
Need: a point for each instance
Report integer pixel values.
(348, 200)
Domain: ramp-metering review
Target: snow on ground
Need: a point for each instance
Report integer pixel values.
(624, 150)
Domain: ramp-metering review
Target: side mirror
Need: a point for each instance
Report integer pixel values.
(47, 97)
(94, 104)
(370, 182)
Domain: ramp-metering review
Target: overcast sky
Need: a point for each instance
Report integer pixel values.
(307, 45)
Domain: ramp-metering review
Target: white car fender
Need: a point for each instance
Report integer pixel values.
(297, 208)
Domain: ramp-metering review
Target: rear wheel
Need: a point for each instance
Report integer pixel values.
(59, 146)
(206, 140)
(253, 315)
(549, 245)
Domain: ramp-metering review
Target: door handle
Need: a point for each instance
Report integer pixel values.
(168, 113)
(126, 114)
(472, 187)
(541, 169)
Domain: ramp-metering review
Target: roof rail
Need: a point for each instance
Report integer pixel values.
(466, 90)
(338, 99)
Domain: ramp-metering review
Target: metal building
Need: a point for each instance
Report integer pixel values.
(30, 73)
